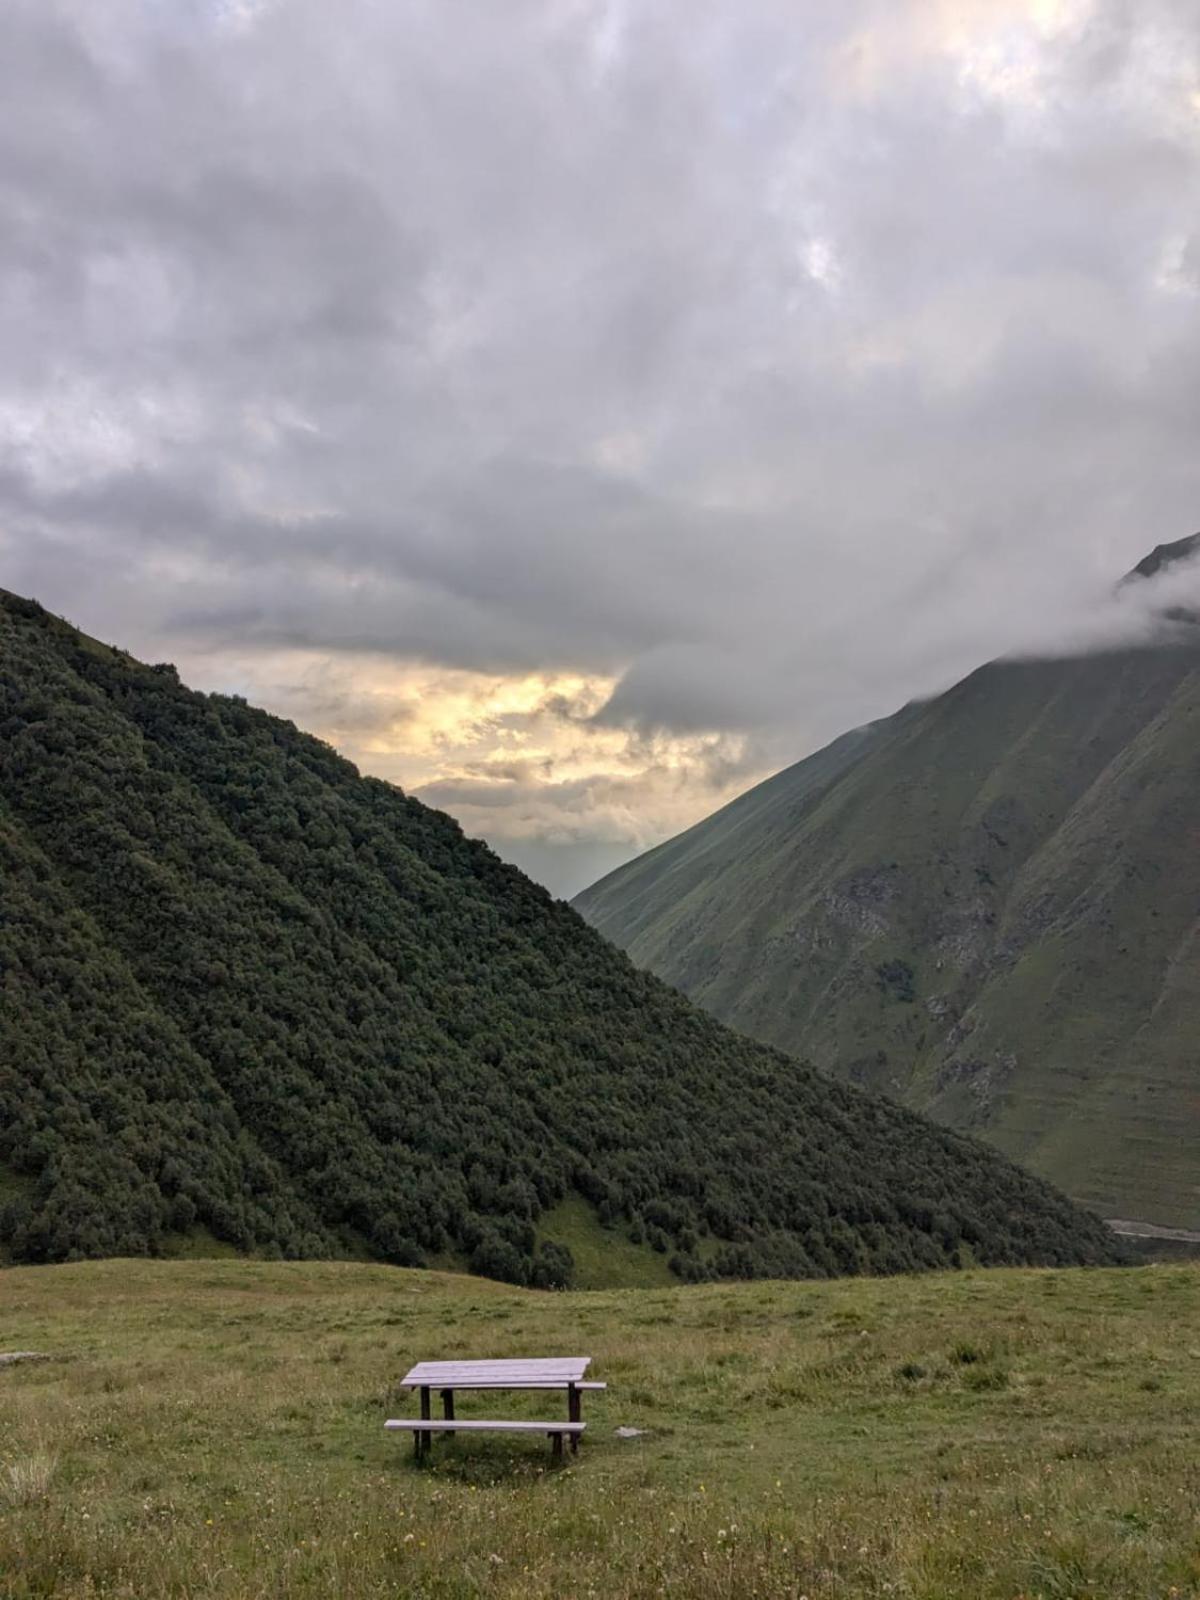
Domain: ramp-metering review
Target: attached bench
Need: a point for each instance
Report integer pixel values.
(557, 1373)
(554, 1431)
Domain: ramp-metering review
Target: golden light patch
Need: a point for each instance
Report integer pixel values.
(993, 45)
(516, 755)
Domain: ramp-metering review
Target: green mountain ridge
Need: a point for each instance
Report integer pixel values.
(249, 995)
(985, 906)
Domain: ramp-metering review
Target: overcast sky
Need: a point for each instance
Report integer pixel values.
(576, 409)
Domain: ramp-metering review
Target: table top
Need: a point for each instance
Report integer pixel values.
(551, 1372)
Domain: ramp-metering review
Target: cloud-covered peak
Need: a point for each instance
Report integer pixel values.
(1165, 556)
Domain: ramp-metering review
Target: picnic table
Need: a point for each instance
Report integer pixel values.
(554, 1372)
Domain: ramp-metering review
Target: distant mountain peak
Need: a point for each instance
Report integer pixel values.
(1179, 553)
(1166, 555)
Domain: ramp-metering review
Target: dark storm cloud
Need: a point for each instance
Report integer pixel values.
(780, 362)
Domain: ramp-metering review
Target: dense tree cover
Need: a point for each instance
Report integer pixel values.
(248, 990)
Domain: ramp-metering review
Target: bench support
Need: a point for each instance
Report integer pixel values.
(422, 1441)
(424, 1428)
(574, 1412)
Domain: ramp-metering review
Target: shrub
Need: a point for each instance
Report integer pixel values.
(25, 1482)
(966, 1353)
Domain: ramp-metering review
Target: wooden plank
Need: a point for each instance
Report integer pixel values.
(488, 1380)
(457, 1425)
(506, 1364)
(594, 1386)
(503, 1383)
(507, 1361)
(439, 1377)
(441, 1374)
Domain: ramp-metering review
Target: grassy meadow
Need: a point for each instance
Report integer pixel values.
(213, 1428)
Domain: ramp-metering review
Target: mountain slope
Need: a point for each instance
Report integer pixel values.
(985, 906)
(247, 991)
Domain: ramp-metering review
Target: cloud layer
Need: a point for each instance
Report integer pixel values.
(577, 408)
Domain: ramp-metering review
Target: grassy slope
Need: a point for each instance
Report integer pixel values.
(605, 1258)
(216, 1432)
(1023, 845)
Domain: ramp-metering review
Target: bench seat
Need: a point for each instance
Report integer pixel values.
(422, 1427)
(456, 1425)
(505, 1383)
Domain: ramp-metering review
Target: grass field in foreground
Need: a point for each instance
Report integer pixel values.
(214, 1429)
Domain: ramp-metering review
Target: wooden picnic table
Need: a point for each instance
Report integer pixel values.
(553, 1372)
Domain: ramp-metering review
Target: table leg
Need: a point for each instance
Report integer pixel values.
(574, 1410)
(448, 1409)
(425, 1439)
(556, 1447)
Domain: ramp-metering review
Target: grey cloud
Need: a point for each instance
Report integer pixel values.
(773, 360)
(565, 866)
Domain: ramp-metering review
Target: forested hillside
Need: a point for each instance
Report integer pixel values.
(986, 906)
(249, 994)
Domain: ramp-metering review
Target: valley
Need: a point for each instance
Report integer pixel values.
(587, 818)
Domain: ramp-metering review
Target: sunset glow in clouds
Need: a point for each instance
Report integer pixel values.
(576, 410)
(524, 749)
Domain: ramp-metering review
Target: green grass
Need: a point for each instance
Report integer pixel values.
(216, 1431)
(200, 1244)
(605, 1258)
